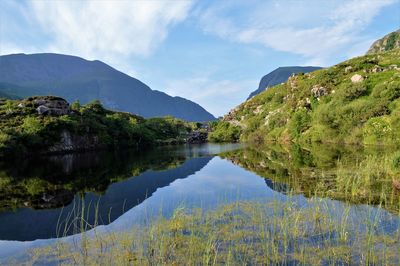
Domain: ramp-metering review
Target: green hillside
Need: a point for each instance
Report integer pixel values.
(48, 124)
(356, 101)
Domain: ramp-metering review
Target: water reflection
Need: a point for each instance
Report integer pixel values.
(41, 197)
(156, 183)
(349, 173)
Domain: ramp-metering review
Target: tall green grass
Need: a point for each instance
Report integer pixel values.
(278, 232)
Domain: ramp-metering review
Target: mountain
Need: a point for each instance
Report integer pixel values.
(355, 102)
(74, 78)
(279, 75)
(389, 42)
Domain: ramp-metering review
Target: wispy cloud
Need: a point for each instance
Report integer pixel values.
(106, 30)
(317, 30)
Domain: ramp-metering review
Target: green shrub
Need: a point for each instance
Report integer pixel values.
(377, 129)
(32, 125)
(396, 160)
(225, 132)
(299, 123)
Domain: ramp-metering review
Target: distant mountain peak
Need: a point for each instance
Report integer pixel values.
(279, 75)
(388, 42)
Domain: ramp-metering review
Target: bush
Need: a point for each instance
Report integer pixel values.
(225, 132)
(396, 161)
(299, 123)
(32, 125)
(377, 129)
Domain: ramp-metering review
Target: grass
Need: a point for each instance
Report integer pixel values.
(243, 233)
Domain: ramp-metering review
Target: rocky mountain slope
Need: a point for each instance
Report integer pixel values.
(387, 43)
(357, 101)
(74, 78)
(279, 75)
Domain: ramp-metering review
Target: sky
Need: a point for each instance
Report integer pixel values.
(211, 52)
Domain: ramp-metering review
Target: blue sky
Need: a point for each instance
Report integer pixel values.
(211, 52)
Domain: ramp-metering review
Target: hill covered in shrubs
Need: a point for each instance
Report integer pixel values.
(356, 101)
(47, 124)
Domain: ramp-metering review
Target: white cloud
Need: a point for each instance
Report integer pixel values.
(113, 31)
(318, 30)
(217, 96)
(121, 27)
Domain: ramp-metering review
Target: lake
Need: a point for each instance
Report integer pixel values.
(113, 191)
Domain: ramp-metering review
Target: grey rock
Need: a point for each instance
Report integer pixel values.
(52, 106)
(357, 78)
(318, 91)
(348, 69)
(43, 110)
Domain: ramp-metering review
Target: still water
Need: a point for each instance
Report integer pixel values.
(39, 198)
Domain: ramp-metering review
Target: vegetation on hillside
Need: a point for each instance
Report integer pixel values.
(355, 102)
(387, 43)
(25, 132)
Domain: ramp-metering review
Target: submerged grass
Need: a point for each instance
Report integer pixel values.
(310, 231)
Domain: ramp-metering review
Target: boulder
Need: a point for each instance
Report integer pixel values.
(43, 110)
(318, 91)
(376, 69)
(357, 78)
(48, 105)
(39, 101)
(348, 69)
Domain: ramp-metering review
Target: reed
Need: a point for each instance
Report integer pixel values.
(289, 232)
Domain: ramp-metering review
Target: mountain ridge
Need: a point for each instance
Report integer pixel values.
(76, 78)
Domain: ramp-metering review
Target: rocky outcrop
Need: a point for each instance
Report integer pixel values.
(230, 117)
(198, 137)
(51, 106)
(73, 142)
